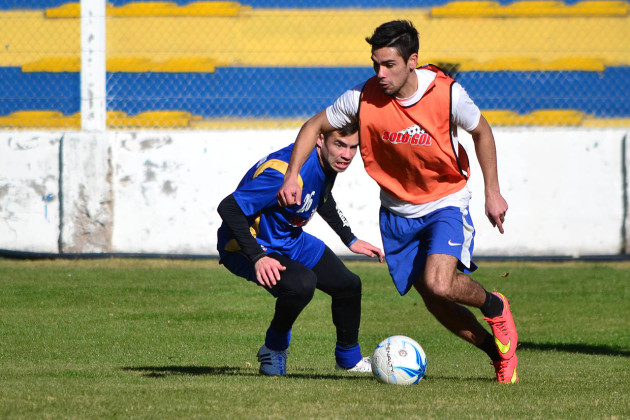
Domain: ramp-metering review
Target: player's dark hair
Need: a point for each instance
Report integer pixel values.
(400, 34)
(346, 130)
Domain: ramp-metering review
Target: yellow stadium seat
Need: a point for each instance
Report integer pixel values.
(40, 119)
(68, 10)
(598, 8)
(533, 8)
(244, 124)
(606, 122)
(186, 64)
(271, 36)
(155, 8)
(142, 8)
(545, 117)
(129, 64)
(564, 117)
(126, 64)
(151, 119)
(54, 64)
(466, 9)
(48, 119)
(474, 9)
(501, 117)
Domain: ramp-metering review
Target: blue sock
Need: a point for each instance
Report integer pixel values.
(276, 341)
(348, 358)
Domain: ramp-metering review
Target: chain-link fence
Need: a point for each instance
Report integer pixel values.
(185, 64)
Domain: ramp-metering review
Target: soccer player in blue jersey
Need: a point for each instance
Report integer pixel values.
(265, 243)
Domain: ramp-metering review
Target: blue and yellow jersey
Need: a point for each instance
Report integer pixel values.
(275, 228)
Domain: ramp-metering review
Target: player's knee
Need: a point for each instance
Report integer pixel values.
(348, 286)
(439, 287)
(353, 283)
(303, 285)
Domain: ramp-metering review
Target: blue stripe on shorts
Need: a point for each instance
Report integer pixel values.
(408, 241)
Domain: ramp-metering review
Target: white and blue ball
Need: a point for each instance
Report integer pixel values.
(399, 360)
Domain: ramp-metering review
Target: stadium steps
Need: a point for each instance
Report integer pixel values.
(453, 9)
(151, 119)
(209, 65)
(276, 37)
(48, 119)
(155, 8)
(269, 38)
(126, 64)
(544, 117)
(497, 118)
(44, 119)
(242, 92)
(286, 4)
(519, 9)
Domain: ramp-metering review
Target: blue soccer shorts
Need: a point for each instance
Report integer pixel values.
(408, 241)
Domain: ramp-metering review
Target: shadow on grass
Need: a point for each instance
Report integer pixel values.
(164, 371)
(575, 348)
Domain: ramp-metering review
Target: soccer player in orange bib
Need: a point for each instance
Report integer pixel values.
(408, 118)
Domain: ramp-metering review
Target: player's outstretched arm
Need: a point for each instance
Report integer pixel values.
(361, 247)
(290, 192)
(496, 206)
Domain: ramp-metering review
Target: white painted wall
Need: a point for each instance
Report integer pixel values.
(157, 192)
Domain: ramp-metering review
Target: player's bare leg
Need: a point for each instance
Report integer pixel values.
(444, 291)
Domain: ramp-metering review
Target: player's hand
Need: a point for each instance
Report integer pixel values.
(289, 194)
(365, 248)
(496, 207)
(268, 271)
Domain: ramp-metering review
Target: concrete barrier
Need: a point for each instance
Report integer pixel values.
(156, 192)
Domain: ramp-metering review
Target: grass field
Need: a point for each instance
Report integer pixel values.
(177, 339)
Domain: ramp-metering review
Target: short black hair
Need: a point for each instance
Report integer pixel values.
(345, 131)
(400, 34)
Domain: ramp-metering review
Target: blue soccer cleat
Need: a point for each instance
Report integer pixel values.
(272, 362)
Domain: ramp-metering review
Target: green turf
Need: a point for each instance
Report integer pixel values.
(177, 339)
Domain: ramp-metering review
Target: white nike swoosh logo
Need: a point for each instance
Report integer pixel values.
(451, 243)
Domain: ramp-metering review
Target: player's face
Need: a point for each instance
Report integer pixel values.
(393, 73)
(336, 152)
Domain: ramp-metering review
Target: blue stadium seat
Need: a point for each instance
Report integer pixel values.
(31, 4)
(237, 91)
(594, 93)
(234, 92)
(39, 91)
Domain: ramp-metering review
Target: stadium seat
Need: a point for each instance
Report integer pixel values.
(546, 117)
(53, 64)
(474, 9)
(229, 92)
(40, 119)
(216, 63)
(155, 8)
(151, 119)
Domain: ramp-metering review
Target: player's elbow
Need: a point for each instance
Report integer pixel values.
(227, 206)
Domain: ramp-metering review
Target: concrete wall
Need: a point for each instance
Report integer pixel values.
(157, 192)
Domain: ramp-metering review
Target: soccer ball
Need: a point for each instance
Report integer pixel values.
(399, 360)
